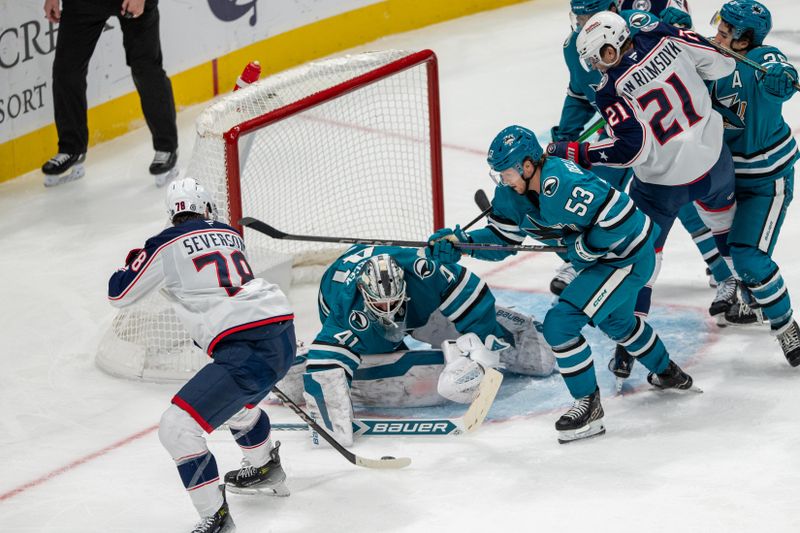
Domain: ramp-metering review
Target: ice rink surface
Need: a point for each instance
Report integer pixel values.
(79, 449)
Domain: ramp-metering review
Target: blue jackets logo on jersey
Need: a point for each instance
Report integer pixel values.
(358, 320)
(550, 186)
(423, 268)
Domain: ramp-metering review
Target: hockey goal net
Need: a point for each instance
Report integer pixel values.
(348, 146)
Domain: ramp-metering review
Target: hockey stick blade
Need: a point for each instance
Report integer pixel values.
(487, 392)
(483, 204)
(386, 462)
(275, 233)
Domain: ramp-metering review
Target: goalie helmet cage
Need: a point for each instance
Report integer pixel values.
(348, 145)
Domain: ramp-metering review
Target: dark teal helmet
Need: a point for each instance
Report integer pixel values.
(747, 15)
(590, 7)
(510, 148)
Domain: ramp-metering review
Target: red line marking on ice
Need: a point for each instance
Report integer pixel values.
(77, 463)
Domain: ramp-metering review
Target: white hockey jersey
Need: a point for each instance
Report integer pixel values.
(656, 104)
(206, 276)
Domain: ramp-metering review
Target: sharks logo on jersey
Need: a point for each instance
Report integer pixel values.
(550, 186)
(642, 22)
(358, 320)
(730, 107)
(423, 268)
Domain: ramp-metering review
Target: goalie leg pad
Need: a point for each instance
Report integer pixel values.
(327, 395)
(530, 355)
(398, 379)
(292, 383)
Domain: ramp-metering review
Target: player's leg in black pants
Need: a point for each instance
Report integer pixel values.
(80, 28)
(140, 37)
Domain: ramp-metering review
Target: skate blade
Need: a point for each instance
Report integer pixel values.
(619, 383)
(693, 388)
(595, 428)
(74, 173)
(280, 490)
(166, 177)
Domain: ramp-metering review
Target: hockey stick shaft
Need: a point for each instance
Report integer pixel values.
(483, 204)
(741, 58)
(399, 462)
(275, 233)
(594, 128)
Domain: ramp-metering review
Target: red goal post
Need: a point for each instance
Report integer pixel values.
(342, 146)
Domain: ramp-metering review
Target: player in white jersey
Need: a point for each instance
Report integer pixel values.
(654, 99)
(245, 324)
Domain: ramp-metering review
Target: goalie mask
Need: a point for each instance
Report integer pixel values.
(188, 196)
(384, 290)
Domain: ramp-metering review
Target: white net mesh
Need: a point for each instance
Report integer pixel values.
(354, 165)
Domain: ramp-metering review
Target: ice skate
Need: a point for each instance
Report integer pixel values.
(564, 276)
(583, 420)
(163, 167)
(745, 311)
(63, 168)
(266, 479)
(789, 340)
(725, 298)
(672, 378)
(219, 522)
(620, 365)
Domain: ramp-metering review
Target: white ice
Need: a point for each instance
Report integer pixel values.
(79, 452)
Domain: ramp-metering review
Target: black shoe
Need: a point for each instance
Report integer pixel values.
(725, 298)
(671, 378)
(583, 420)
(163, 162)
(622, 363)
(268, 478)
(789, 340)
(219, 522)
(60, 163)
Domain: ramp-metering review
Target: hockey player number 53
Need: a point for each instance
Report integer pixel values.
(659, 96)
(581, 197)
(223, 272)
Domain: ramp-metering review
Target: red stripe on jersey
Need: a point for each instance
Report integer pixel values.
(244, 327)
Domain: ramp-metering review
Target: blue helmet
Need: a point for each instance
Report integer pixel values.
(590, 7)
(744, 15)
(510, 148)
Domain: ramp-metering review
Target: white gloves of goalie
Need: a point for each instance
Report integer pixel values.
(464, 361)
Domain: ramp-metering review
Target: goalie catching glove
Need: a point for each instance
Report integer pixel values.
(465, 359)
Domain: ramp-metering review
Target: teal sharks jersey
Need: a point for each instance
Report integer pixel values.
(348, 332)
(571, 200)
(761, 142)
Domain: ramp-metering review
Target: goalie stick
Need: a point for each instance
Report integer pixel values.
(386, 462)
(275, 233)
(471, 420)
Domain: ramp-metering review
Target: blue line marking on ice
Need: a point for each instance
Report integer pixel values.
(684, 330)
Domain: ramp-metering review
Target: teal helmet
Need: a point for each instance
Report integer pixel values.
(590, 7)
(747, 16)
(511, 147)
